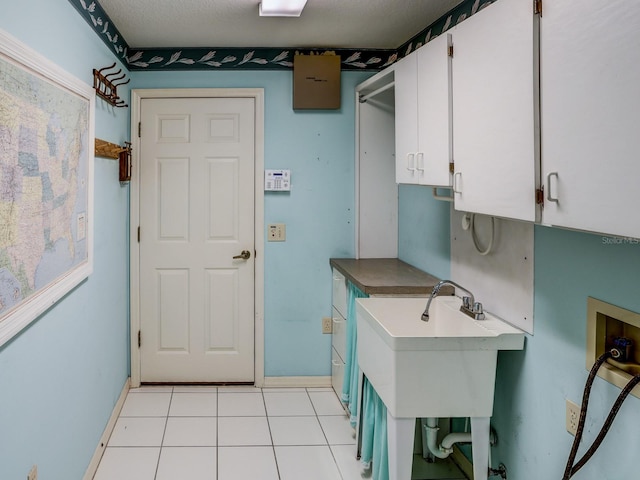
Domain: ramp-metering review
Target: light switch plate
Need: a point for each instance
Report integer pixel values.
(276, 232)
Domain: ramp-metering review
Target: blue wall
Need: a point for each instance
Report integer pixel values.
(532, 385)
(424, 238)
(61, 377)
(318, 147)
(529, 413)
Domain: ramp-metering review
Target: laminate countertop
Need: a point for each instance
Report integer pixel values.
(387, 276)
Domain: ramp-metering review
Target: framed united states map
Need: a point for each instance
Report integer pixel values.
(46, 184)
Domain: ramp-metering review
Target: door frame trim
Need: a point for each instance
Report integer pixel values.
(134, 215)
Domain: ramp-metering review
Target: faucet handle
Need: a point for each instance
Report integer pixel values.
(478, 314)
(466, 302)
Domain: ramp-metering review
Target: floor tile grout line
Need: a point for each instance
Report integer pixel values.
(141, 416)
(273, 447)
(320, 423)
(335, 461)
(306, 390)
(303, 445)
(164, 432)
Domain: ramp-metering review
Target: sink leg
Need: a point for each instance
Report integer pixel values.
(400, 433)
(480, 432)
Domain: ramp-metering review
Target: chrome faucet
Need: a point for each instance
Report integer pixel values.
(469, 306)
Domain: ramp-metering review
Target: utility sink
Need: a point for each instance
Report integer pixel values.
(445, 367)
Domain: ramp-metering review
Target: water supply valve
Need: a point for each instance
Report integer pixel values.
(621, 349)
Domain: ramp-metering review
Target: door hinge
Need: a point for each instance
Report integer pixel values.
(138, 234)
(537, 7)
(139, 129)
(452, 167)
(450, 50)
(540, 196)
(139, 338)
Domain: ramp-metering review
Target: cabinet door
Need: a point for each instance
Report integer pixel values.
(495, 150)
(406, 121)
(339, 293)
(434, 105)
(590, 106)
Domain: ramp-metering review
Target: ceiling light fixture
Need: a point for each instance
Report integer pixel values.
(281, 8)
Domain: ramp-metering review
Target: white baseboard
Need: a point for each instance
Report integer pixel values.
(102, 444)
(311, 382)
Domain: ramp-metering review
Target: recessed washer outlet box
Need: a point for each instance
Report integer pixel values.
(611, 327)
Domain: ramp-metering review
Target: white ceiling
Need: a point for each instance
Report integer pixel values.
(383, 24)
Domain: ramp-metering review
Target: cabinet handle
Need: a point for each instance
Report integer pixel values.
(549, 197)
(411, 162)
(456, 188)
(420, 162)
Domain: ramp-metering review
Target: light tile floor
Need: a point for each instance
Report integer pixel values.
(230, 433)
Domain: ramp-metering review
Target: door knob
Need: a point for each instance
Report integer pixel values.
(245, 255)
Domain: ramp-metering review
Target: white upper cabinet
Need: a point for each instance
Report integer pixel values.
(406, 120)
(423, 104)
(590, 104)
(434, 116)
(495, 111)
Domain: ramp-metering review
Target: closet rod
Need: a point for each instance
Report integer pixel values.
(364, 98)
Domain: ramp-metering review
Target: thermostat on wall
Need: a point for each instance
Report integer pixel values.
(277, 180)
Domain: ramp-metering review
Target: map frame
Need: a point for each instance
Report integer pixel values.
(14, 320)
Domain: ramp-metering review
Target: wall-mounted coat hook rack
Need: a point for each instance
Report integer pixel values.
(106, 85)
(116, 152)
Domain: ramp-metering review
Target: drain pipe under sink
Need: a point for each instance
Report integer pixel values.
(446, 446)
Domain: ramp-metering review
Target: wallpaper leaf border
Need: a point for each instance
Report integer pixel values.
(259, 58)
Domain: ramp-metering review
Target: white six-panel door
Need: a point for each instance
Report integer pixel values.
(196, 214)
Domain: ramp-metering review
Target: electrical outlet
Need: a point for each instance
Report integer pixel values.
(573, 417)
(33, 473)
(327, 325)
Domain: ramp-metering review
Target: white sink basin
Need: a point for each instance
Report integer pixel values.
(441, 368)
